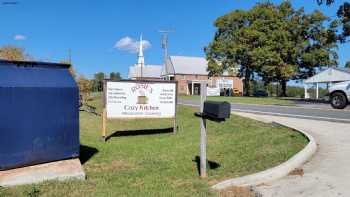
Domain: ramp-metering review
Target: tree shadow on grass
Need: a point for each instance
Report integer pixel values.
(212, 165)
(140, 132)
(86, 153)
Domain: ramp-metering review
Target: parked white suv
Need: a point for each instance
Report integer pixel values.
(340, 95)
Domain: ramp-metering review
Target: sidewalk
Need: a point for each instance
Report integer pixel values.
(328, 172)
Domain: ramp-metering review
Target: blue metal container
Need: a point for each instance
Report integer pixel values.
(39, 113)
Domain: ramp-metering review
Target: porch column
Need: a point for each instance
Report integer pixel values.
(187, 89)
(316, 90)
(192, 87)
(306, 95)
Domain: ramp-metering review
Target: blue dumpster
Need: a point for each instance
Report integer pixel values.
(39, 113)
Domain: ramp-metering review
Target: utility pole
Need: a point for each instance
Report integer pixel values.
(165, 34)
(70, 56)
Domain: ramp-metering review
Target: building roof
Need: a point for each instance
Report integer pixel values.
(148, 71)
(186, 65)
(189, 65)
(333, 74)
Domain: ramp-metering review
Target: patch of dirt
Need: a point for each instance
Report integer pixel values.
(297, 171)
(238, 192)
(115, 165)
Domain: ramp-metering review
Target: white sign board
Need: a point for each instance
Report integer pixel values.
(128, 99)
(224, 83)
(213, 91)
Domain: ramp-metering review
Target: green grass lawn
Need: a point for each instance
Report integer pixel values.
(132, 163)
(246, 100)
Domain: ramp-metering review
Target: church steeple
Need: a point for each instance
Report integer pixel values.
(141, 59)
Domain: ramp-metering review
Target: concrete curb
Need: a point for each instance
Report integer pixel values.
(273, 173)
(58, 170)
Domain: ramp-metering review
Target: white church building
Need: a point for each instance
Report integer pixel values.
(143, 71)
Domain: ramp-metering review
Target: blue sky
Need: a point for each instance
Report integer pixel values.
(47, 29)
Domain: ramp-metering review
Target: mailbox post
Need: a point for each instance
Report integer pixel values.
(203, 135)
(211, 110)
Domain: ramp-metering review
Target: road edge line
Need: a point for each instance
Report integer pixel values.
(276, 172)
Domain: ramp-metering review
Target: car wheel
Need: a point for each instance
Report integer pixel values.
(338, 100)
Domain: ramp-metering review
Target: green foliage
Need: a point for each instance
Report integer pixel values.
(328, 2)
(115, 76)
(33, 192)
(98, 81)
(344, 18)
(85, 88)
(13, 53)
(275, 42)
(347, 64)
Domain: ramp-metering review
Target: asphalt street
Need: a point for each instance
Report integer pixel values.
(331, 115)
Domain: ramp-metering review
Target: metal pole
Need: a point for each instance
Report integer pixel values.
(203, 134)
(305, 92)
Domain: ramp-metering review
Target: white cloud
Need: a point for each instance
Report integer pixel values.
(19, 37)
(131, 45)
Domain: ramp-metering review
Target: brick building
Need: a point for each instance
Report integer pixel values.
(190, 71)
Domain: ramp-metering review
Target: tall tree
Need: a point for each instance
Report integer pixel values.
(343, 14)
(274, 41)
(98, 81)
(115, 76)
(344, 19)
(13, 53)
(85, 87)
(232, 46)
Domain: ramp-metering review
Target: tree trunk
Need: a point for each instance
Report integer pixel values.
(284, 88)
(247, 83)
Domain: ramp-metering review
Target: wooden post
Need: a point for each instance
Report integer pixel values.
(104, 124)
(203, 134)
(175, 124)
(104, 111)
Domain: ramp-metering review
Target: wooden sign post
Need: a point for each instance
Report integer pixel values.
(203, 134)
(138, 99)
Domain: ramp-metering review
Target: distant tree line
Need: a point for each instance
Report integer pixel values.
(275, 43)
(97, 81)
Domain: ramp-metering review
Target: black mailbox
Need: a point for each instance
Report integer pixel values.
(217, 111)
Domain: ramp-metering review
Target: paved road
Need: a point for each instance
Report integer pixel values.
(331, 115)
(327, 174)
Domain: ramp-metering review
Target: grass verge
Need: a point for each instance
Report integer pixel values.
(246, 100)
(156, 162)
